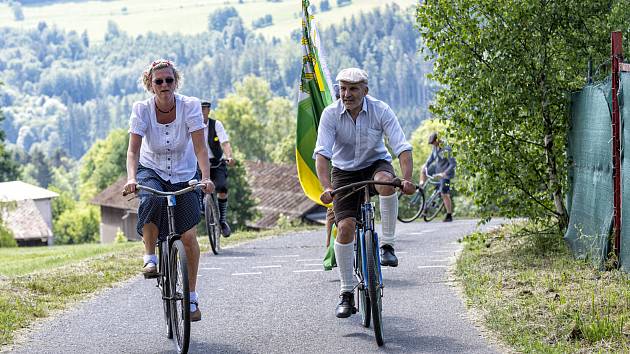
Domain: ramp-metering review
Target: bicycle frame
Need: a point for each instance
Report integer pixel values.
(366, 224)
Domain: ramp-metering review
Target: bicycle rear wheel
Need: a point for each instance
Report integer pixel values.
(374, 286)
(212, 223)
(410, 206)
(435, 205)
(361, 297)
(180, 299)
(164, 290)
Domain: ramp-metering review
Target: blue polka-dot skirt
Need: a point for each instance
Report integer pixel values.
(152, 209)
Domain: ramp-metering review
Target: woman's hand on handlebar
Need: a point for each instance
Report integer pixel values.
(230, 161)
(130, 186)
(326, 197)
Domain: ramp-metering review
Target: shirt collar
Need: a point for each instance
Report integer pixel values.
(341, 109)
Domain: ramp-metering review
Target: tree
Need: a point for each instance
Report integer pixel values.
(246, 130)
(506, 69)
(218, 19)
(9, 170)
(77, 225)
(104, 163)
(242, 203)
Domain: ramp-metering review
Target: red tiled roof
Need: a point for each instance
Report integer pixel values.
(275, 187)
(25, 221)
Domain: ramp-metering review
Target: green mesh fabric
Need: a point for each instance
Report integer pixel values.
(624, 96)
(590, 194)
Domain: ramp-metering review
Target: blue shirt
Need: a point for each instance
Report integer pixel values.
(444, 161)
(353, 146)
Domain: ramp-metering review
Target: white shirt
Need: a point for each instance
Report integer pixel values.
(353, 145)
(167, 148)
(221, 134)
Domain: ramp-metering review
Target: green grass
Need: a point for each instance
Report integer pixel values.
(532, 293)
(37, 281)
(184, 16)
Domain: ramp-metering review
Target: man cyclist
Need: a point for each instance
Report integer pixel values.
(442, 156)
(350, 135)
(218, 148)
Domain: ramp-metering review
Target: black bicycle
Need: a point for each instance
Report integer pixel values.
(410, 207)
(211, 214)
(172, 277)
(367, 262)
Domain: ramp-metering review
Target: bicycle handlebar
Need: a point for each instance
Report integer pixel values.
(193, 184)
(396, 183)
(222, 161)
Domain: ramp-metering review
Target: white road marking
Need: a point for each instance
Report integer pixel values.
(432, 266)
(443, 251)
(210, 268)
(402, 252)
(280, 261)
(287, 256)
(312, 264)
(251, 273)
(308, 260)
(308, 270)
(232, 257)
(267, 266)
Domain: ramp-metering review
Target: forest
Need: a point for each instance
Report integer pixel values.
(62, 94)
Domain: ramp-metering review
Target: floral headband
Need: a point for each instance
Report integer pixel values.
(161, 61)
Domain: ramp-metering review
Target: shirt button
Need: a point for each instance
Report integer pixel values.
(169, 167)
(166, 133)
(168, 142)
(169, 159)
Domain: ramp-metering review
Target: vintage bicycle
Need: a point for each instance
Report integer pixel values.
(367, 262)
(410, 207)
(172, 276)
(211, 215)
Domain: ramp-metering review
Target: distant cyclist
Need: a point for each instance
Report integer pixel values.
(350, 135)
(442, 157)
(218, 148)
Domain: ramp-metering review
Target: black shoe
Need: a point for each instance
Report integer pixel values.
(388, 257)
(448, 218)
(345, 308)
(225, 229)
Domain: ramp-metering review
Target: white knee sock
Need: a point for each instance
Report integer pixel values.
(152, 258)
(195, 298)
(389, 213)
(344, 254)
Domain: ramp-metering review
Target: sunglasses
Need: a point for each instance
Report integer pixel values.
(169, 80)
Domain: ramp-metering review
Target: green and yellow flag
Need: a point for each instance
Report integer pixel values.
(313, 97)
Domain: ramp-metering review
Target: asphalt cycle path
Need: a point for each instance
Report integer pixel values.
(273, 296)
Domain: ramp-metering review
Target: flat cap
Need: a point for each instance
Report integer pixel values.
(432, 137)
(352, 75)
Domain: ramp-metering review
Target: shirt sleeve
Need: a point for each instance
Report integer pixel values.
(192, 115)
(137, 120)
(325, 135)
(220, 130)
(430, 158)
(394, 132)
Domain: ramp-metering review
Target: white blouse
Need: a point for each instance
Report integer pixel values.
(167, 148)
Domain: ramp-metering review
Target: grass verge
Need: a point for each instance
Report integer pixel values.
(530, 291)
(37, 281)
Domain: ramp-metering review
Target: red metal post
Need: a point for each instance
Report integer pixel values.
(616, 59)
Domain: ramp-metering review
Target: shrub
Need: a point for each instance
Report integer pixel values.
(78, 225)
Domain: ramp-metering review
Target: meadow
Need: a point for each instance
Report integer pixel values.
(184, 16)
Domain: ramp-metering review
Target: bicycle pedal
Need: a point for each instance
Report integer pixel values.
(151, 275)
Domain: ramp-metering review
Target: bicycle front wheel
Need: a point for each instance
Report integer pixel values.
(164, 289)
(180, 296)
(374, 285)
(361, 297)
(435, 205)
(212, 222)
(410, 206)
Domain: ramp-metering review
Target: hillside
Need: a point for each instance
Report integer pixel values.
(185, 17)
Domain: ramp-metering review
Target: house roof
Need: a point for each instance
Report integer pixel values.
(278, 191)
(25, 221)
(18, 190)
(276, 188)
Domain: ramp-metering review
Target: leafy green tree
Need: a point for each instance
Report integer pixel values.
(240, 199)
(38, 170)
(103, 164)
(77, 225)
(259, 93)
(506, 68)
(280, 141)
(218, 19)
(246, 130)
(6, 236)
(9, 170)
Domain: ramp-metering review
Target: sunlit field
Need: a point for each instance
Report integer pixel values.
(184, 16)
